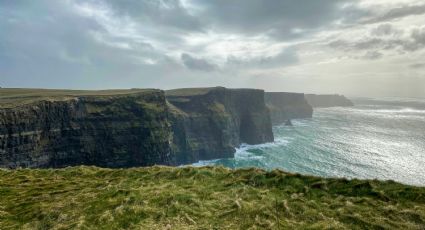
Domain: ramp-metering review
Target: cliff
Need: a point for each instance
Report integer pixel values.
(284, 106)
(126, 128)
(328, 100)
(53, 128)
(208, 123)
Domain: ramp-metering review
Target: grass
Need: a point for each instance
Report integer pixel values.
(13, 97)
(201, 198)
(188, 91)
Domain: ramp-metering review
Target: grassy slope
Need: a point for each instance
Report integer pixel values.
(13, 97)
(201, 198)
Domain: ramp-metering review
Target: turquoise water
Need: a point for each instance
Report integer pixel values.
(382, 139)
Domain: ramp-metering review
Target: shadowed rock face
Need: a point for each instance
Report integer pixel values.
(54, 128)
(284, 106)
(209, 123)
(323, 101)
(108, 131)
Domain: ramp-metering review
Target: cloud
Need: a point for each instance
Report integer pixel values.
(372, 55)
(171, 43)
(49, 43)
(396, 13)
(163, 13)
(279, 19)
(286, 57)
(385, 29)
(197, 63)
(417, 65)
(383, 38)
(418, 35)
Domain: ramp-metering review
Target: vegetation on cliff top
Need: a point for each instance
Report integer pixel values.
(189, 91)
(13, 97)
(201, 198)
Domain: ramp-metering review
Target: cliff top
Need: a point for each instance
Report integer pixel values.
(283, 93)
(202, 198)
(190, 91)
(13, 97)
(201, 91)
(327, 100)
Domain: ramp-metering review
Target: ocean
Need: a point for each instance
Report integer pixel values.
(376, 139)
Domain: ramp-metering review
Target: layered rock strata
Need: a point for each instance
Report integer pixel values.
(209, 123)
(65, 129)
(127, 128)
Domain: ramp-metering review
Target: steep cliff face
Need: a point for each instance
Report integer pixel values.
(208, 123)
(328, 100)
(284, 106)
(54, 128)
(107, 129)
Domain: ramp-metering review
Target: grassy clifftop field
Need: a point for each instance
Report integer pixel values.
(15, 97)
(201, 198)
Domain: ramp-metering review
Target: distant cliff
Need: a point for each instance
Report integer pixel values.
(284, 106)
(208, 123)
(104, 128)
(328, 100)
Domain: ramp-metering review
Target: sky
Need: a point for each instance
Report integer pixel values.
(353, 47)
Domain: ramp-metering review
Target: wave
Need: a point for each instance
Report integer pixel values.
(402, 110)
(276, 143)
(204, 163)
(376, 111)
(414, 103)
(243, 152)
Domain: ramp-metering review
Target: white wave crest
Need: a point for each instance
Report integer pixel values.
(204, 163)
(243, 152)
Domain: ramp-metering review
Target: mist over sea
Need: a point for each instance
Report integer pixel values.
(377, 138)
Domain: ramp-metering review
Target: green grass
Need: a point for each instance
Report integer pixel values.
(13, 97)
(201, 198)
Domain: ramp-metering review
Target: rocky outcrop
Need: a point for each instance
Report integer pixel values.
(323, 101)
(208, 123)
(109, 130)
(286, 106)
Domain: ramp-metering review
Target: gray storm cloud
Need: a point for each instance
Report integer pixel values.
(277, 45)
(197, 63)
